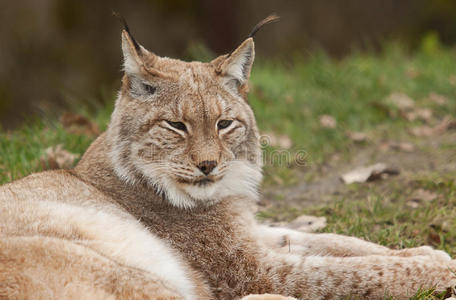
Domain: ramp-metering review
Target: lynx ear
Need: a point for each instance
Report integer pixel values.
(236, 66)
(132, 53)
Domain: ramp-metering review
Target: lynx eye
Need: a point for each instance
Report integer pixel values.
(178, 125)
(149, 89)
(222, 124)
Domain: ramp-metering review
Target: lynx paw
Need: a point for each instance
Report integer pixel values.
(267, 297)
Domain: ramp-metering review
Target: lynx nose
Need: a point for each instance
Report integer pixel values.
(207, 166)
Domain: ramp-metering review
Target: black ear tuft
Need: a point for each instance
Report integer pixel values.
(127, 29)
(270, 19)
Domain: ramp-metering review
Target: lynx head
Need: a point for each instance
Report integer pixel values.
(186, 128)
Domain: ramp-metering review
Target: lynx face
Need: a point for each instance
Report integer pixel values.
(185, 127)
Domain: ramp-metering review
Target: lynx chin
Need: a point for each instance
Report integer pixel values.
(161, 206)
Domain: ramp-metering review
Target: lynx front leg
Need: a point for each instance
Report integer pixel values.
(287, 240)
(366, 277)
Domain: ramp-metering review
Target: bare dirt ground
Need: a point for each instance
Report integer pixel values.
(435, 154)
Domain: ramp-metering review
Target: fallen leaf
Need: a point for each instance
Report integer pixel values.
(370, 173)
(447, 123)
(422, 131)
(307, 223)
(78, 124)
(357, 137)
(327, 121)
(57, 158)
(335, 157)
(434, 238)
(413, 203)
(422, 195)
(438, 99)
(401, 101)
(402, 146)
(424, 114)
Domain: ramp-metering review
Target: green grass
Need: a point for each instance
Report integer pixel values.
(21, 149)
(288, 99)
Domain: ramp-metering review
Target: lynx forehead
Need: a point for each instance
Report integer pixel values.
(186, 127)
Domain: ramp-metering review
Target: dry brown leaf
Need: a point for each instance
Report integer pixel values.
(357, 137)
(416, 232)
(434, 238)
(448, 123)
(401, 146)
(307, 223)
(57, 158)
(303, 223)
(78, 124)
(422, 131)
(423, 195)
(413, 203)
(424, 114)
(438, 99)
(401, 101)
(327, 121)
(370, 173)
(409, 116)
(335, 157)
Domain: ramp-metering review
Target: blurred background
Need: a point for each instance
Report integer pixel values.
(55, 53)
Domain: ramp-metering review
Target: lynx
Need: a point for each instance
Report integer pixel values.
(161, 207)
